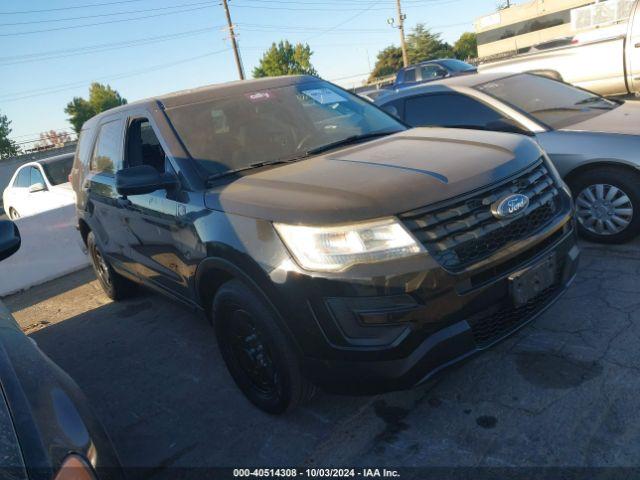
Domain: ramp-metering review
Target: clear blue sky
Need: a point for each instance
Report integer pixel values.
(345, 36)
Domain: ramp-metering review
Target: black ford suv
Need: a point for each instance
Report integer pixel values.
(328, 244)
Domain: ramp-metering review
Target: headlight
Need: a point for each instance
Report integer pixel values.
(332, 249)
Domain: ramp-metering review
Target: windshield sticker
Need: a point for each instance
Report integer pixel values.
(324, 96)
(259, 96)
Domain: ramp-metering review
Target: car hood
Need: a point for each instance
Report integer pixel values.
(624, 120)
(394, 174)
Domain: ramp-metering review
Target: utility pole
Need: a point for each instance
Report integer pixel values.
(234, 43)
(403, 44)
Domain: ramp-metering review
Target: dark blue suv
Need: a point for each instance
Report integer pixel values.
(432, 70)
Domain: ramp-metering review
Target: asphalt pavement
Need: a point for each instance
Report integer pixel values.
(562, 392)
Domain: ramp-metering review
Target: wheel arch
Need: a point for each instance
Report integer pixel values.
(599, 163)
(215, 271)
(84, 229)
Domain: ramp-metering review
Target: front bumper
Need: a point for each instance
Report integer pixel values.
(394, 333)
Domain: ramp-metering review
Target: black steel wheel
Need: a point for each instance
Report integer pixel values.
(258, 354)
(115, 286)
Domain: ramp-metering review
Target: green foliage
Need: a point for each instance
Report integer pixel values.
(8, 147)
(423, 45)
(101, 98)
(285, 59)
(388, 62)
(466, 46)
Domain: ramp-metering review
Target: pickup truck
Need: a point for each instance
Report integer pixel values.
(605, 60)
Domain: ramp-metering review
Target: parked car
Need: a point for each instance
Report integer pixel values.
(605, 59)
(328, 244)
(39, 186)
(47, 431)
(593, 142)
(432, 70)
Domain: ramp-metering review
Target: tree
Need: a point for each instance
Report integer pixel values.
(423, 45)
(101, 98)
(285, 59)
(8, 147)
(53, 139)
(466, 46)
(388, 62)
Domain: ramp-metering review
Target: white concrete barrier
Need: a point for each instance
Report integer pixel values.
(51, 247)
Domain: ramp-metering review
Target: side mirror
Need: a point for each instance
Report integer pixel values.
(143, 179)
(9, 239)
(37, 187)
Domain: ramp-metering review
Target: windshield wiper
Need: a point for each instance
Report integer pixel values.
(594, 99)
(226, 173)
(349, 140)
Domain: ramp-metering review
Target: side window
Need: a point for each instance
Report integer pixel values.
(409, 75)
(143, 146)
(36, 176)
(83, 151)
(107, 156)
(23, 179)
(430, 72)
(448, 110)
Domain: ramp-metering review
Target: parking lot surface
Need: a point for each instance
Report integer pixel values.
(561, 392)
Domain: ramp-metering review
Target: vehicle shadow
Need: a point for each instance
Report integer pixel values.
(152, 372)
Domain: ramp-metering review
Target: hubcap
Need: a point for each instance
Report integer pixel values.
(252, 353)
(604, 209)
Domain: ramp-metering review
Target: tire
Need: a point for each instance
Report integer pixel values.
(611, 194)
(115, 286)
(258, 354)
(13, 214)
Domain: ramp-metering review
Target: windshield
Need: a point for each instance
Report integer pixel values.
(553, 103)
(273, 125)
(454, 65)
(58, 171)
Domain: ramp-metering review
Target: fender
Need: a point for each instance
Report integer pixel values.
(251, 274)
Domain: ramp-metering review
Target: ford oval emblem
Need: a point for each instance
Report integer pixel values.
(510, 206)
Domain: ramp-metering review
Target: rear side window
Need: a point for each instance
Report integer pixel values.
(36, 176)
(23, 179)
(409, 75)
(107, 155)
(83, 152)
(448, 110)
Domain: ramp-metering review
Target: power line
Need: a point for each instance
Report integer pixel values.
(145, 17)
(66, 19)
(61, 88)
(360, 12)
(72, 52)
(20, 12)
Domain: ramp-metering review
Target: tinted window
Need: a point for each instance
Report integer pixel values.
(23, 178)
(409, 75)
(107, 156)
(526, 26)
(143, 146)
(58, 171)
(36, 176)
(553, 103)
(430, 72)
(281, 123)
(455, 65)
(84, 146)
(448, 110)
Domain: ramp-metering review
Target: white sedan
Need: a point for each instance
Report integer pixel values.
(39, 186)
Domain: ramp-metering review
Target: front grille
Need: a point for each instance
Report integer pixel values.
(467, 232)
(491, 325)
